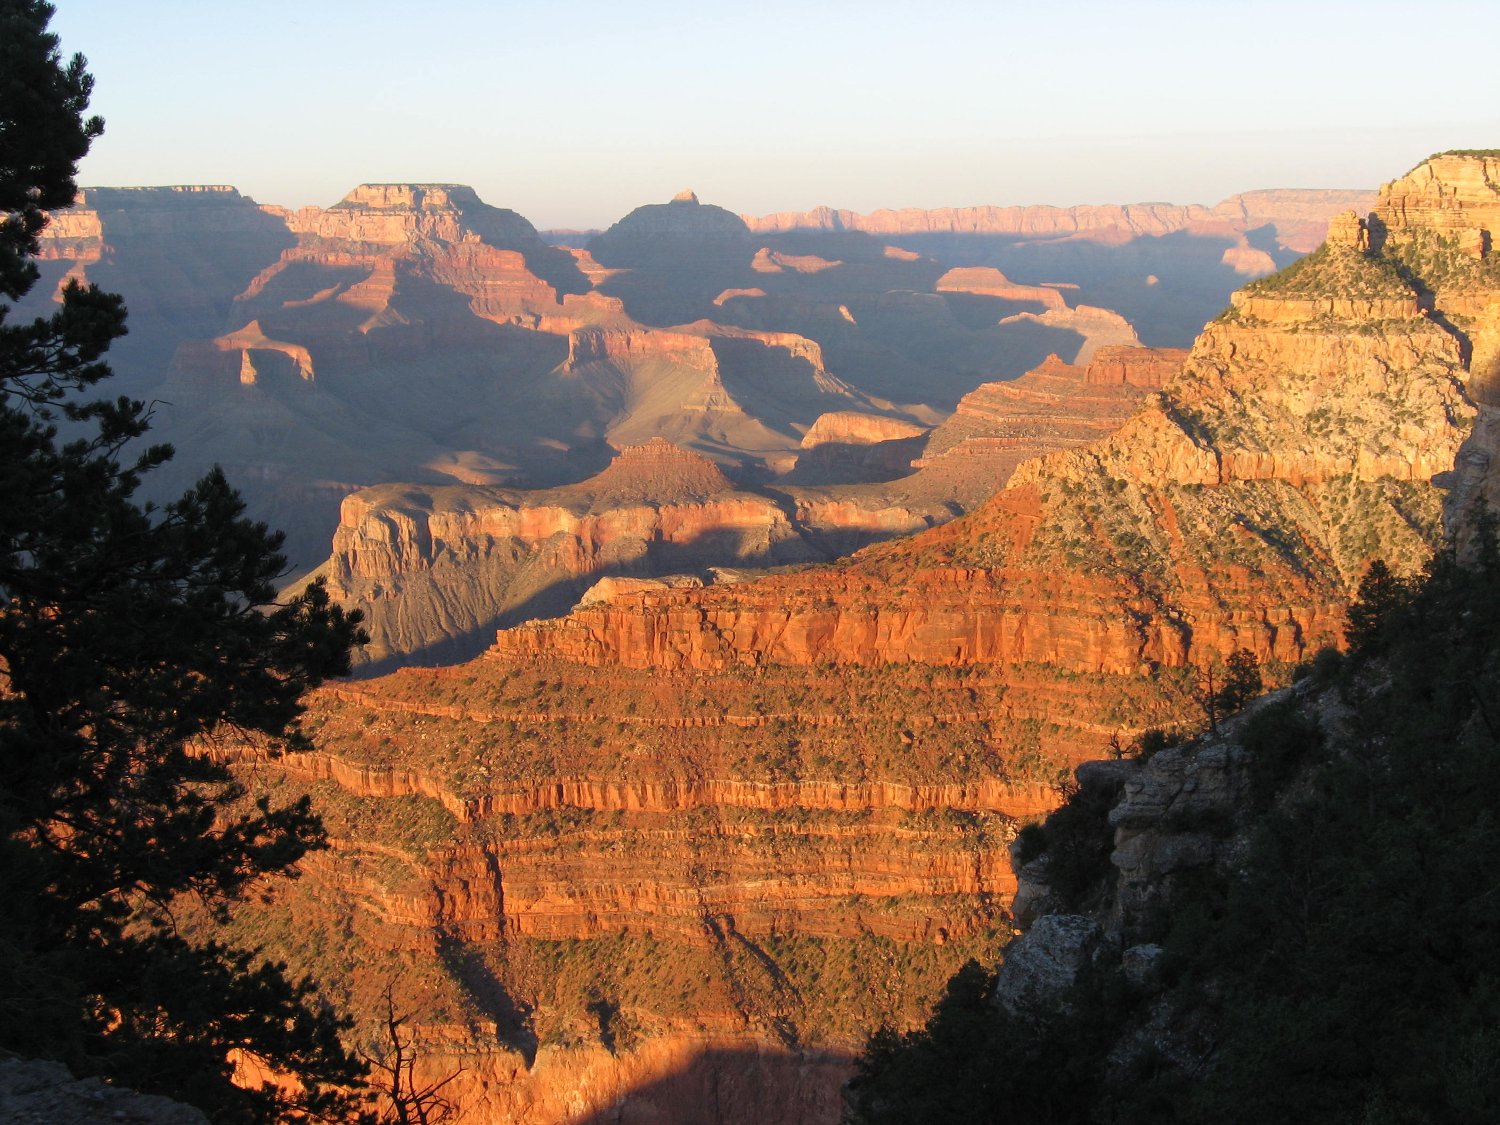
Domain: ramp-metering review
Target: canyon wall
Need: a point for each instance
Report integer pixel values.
(1293, 210)
(413, 332)
(679, 852)
(435, 569)
(1322, 402)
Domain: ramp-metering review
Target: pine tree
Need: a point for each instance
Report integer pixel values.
(128, 634)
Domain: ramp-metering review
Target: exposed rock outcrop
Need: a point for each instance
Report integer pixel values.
(33, 1092)
(850, 428)
(1132, 554)
(413, 332)
(986, 281)
(1300, 212)
(702, 804)
(429, 567)
(1054, 407)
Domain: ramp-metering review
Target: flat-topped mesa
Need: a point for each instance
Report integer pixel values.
(767, 260)
(623, 344)
(177, 254)
(102, 214)
(986, 281)
(411, 197)
(657, 471)
(1298, 215)
(402, 213)
(82, 219)
(850, 427)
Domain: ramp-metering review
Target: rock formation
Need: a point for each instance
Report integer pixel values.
(431, 566)
(33, 1092)
(1057, 406)
(1242, 825)
(1303, 213)
(435, 569)
(762, 815)
(1165, 268)
(986, 281)
(413, 332)
(1130, 554)
(179, 254)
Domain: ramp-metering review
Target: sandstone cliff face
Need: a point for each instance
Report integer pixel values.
(731, 892)
(764, 816)
(432, 569)
(431, 566)
(413, 332)
(1054, 407)
(1234, 511)
(1294, 209)
(179, 255)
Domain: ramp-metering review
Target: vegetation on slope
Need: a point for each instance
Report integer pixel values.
(1334, 271)
(1343, 971)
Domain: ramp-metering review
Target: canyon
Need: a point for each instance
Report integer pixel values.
(415, 333)
(434, 570)
(689, 843)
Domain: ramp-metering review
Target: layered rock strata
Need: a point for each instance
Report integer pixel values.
(1302, 215)
(1234, 511)
(691, 823)
(315, 351)
(431, 567)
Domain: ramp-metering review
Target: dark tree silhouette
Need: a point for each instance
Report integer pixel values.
(127, 634)
(1227, 688)
(394, 1064)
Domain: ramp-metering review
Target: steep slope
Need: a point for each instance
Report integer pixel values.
(436, 569)
(429, 567)
(1215, 927)
(1232, 512)
(1166, 268)
(686, 822)
(412, 332)
(415, 333)
(179, 254)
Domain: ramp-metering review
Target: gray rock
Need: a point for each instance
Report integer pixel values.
(1045, 962)
(34, 1092)
(1142, 963)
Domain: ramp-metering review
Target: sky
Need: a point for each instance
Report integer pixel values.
(573, 112)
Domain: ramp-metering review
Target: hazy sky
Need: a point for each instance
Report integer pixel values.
(573, 112)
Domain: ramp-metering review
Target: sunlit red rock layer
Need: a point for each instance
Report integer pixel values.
(431, 566)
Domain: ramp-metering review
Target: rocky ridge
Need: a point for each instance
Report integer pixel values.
(432, 567)
(982, 655)
(1322, 430)
(1303, 214)
(316, 351)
